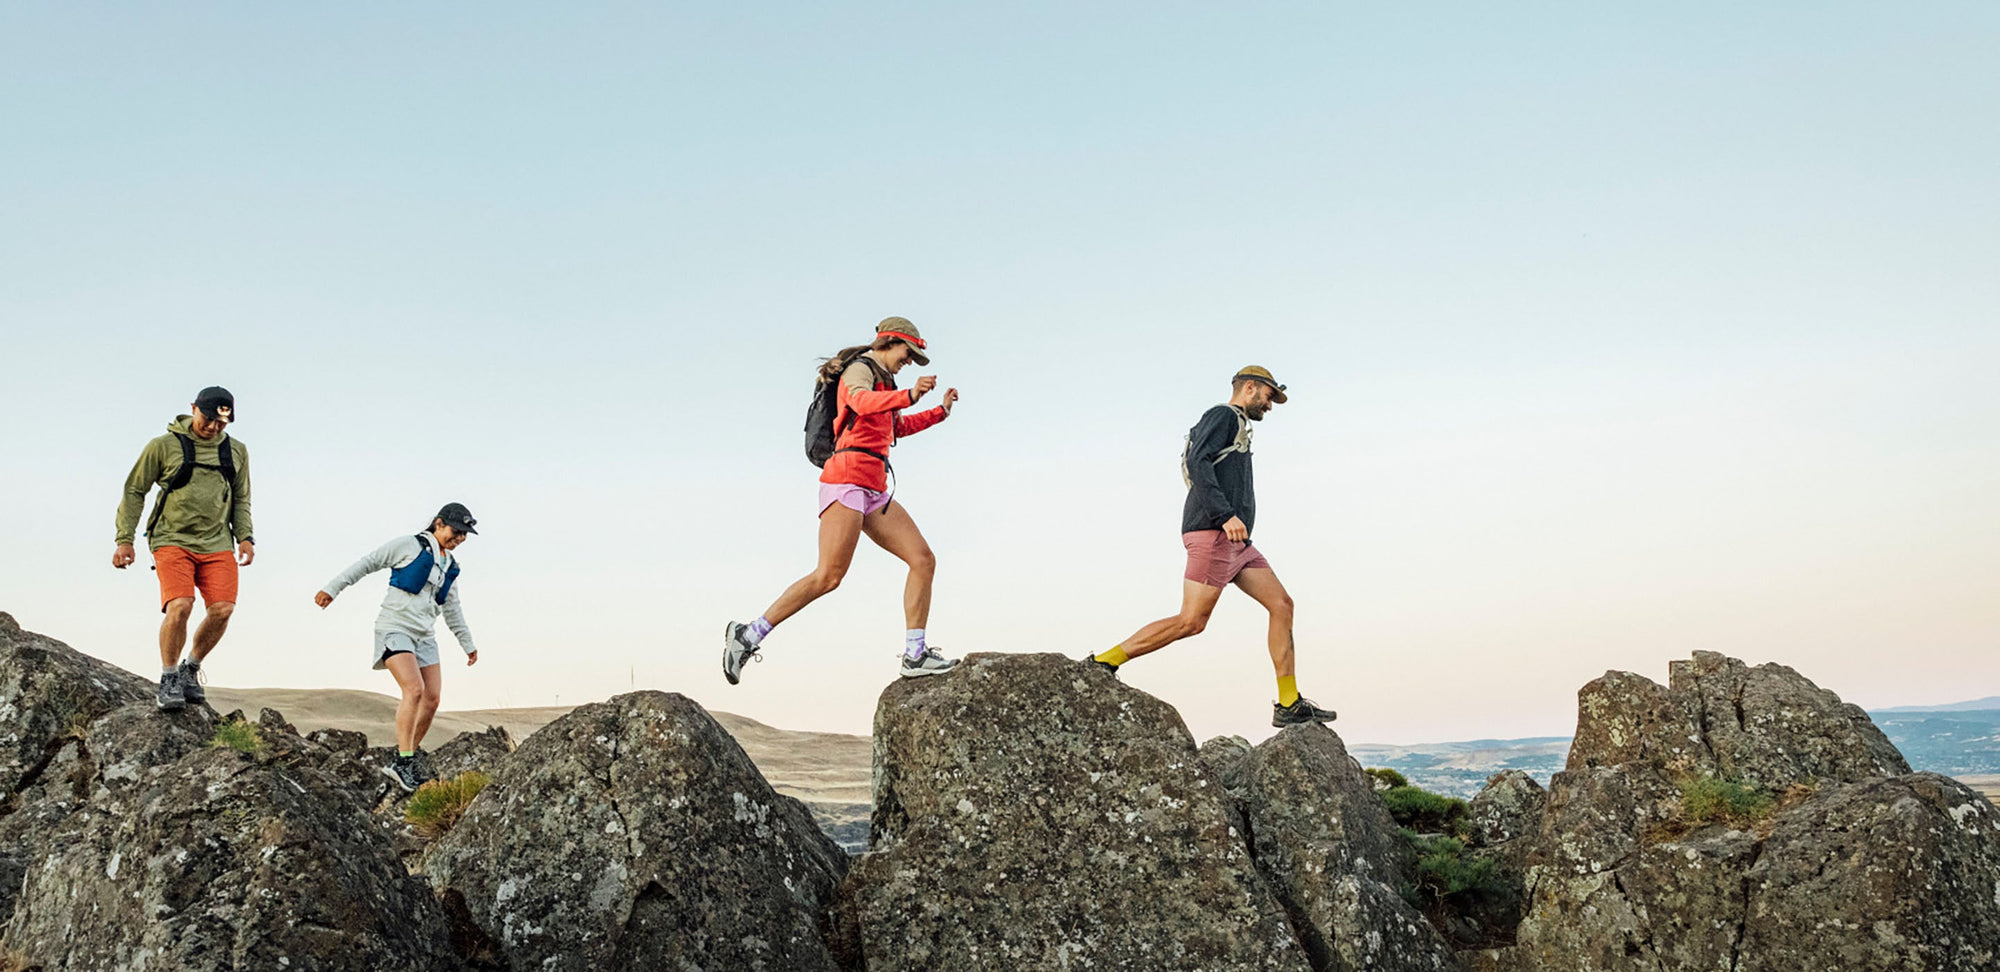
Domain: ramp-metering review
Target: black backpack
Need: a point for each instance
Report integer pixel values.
(820, 415)
(225, 464)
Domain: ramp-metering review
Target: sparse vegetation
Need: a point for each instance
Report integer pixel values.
(1386, 778)
(1425, 812)
(437, 806)
(13, 961)
(1716, 800)
(239, 735)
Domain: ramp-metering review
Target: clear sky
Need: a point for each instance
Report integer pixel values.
(1613, 331)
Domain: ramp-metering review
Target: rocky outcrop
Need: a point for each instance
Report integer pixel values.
(50, 693)
(1325, 843)
(1033, 813)
(1844, 859)
(1508, 808)
(141, 844)
(635, 834)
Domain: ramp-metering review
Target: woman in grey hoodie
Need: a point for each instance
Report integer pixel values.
(422, 585)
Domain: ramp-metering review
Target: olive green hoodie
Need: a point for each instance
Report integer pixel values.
(195, 519)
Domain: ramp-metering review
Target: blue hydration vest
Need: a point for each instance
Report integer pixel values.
(411, 577)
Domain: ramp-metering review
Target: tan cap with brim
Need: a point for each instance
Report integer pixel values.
(1255, 373)
(894, 329)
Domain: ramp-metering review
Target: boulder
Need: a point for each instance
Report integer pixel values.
(1855, 862)
(1032, 812)
(49, 693)
(199, 857)
(1509, 806)
(635, 834)
(1325, 843)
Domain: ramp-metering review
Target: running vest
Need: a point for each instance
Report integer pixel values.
(411, 577)
(225, 465)
(1241, 444)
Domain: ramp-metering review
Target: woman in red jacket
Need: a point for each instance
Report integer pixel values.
(854, 498)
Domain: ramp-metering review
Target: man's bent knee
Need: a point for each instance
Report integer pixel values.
(178, 609)
(221, 611)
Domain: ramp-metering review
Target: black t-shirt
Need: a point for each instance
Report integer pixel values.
(1221, 489)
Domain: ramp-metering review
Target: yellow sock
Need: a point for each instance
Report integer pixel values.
(1288, 689)
(1115, 657)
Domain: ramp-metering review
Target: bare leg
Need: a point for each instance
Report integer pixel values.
(1262, 583)
(839, 531)
(174, 630)
(892, 529)
(433, 676)
(1197, 603)
(404, 667)
(213, 623)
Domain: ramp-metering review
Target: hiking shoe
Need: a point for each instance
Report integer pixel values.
(737, 649)
(1092, 661)
(404, 771)
(191, 689)
(170, 698)
(426, 770)
(1299, 713)
(930, 663)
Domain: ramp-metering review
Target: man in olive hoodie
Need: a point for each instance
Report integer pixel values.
(203, 511)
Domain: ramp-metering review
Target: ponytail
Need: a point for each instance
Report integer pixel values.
(830, 368)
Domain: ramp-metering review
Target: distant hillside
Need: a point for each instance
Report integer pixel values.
(1947, 741)
(1991, 702)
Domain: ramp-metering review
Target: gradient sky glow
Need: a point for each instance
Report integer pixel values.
(1613, 332)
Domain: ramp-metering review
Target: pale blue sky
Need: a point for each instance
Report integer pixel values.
(1614, 333)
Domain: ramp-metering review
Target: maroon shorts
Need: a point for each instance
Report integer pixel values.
(1215, 560)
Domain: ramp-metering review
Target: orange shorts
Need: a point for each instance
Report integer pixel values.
(182, 572)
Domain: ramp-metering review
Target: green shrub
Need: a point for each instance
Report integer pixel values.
(436, 806)
(1713, 801)
(238, 735)
(1445, 869)
(1388, 777)
(1425, 812)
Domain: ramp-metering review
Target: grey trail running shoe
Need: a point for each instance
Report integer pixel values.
(736, 649)
(191, 689)
(931, 663)
(170, 698)
(1299, 713)
(1092, 661)
(404, 771)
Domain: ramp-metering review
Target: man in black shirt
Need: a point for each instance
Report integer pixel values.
(1216, 520)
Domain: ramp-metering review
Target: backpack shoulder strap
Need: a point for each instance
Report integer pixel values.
(186, 471)
(225, 457)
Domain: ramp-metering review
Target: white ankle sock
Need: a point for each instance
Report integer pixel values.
(913, 643)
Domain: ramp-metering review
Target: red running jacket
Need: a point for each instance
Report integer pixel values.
(871, 420)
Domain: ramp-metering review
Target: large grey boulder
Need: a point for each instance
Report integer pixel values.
(1858, 864)
(189, 856)
(1324, 841)
(1034, 813)
(635, 834)
(49, 693)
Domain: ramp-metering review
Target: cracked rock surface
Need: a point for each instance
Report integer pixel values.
(1033, 813)
(1325, 843)
(635, 834)
(137, 845)
(1862, 865)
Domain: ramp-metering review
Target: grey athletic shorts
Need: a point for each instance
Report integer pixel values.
(387, 642)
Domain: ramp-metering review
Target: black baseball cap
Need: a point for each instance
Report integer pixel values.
(217, 403)
(456, 516)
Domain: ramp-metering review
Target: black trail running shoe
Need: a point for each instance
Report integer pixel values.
(1299, 713)
(404, 771)
(191, 689)
(736, 649)
(170, 698)
(1092, 661)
